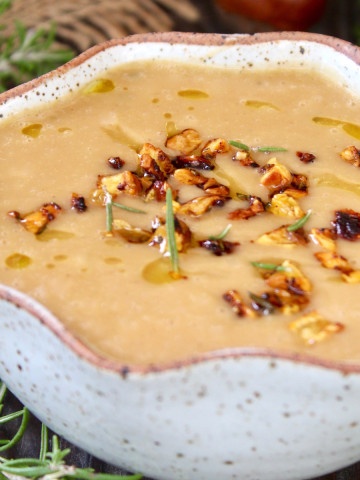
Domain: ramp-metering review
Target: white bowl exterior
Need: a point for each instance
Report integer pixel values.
(250, 417)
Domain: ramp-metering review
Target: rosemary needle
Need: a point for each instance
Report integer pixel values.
(109, 212)
(170, 231)
(222, 234)
(271, 149)
(239, 145)
(269, 266)
(300, 223)
(129, 209)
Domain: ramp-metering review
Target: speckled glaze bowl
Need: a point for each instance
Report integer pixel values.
(234, 414)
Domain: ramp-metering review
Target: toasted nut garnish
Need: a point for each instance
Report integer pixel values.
(215, 146)
(151, 168)
(351, 155)
(159, 237)
(281, 236)
(279, 300)
(189, 176)
(126, 182)
(237, 304)
(130, 233)
(285, 206)
(294, 193)
(200, 205)
(213, 187)
(351, 277)
(347, 224)
(245, 159)
(313, 327)
(185, 142)
(193, 161)
(291, 280)
(35, 222)
(299, 182)
(306, 157)
(219, 247)
(157, 191)
(323, 237)
(115, 162)
(276, 176)
(256, 206)
(334, 261)
(78, 203)
(160, 157)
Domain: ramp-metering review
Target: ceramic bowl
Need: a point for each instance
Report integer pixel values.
(244, 414)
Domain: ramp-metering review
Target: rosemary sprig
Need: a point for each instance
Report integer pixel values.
(269, 266)
(271, 149)
(129, 209)
(243, 146)
(300, 223)
(170, 231)
(24, 413)
(27, 53)
(109, 211)
(239, 145)
(222, 234)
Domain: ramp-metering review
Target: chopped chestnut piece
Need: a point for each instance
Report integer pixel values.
(160, 157)
(78, 203)
(157, 191)
(351, 277)
(334, 261)
(291, 280)
(245, 159)
(200, 205)
(285, 206)
(276, 176)
(159, 237)
(115, 162)
(213, 187)
(128, 232)
(151, 168)
(185, 142)
(305, 157)
(351, 155)
(218, 247)
(209, 185)
(256, 206)
(215, 146)
(347, 224)
(313, 327)
(237, 304)
(193, 161)
(35, 222)
(323, 237)
(281, 236)
(299, 182)
(126, 182)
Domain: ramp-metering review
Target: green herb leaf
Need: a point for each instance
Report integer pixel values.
(299, 223)
(222, 234)
(109, 212)
(271, 149)
(269, 266)
(25, 419)
(129, 209)
(43, 443)
(266, 306)
(239, 145)
(170, 230)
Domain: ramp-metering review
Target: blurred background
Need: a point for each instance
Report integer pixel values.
(38, 35)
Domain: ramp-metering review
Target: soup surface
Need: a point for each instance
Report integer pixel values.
(111, 281)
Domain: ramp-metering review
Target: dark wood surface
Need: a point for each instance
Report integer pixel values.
(341, 19)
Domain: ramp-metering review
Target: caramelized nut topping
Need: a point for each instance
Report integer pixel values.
(185, 142)
(256, 206)
(347, 224)
(126, 182)
(36, 222)
(115, 162)
(305, 157)
(351, 155)
(159, 236)
(219, 247)
(193, 161)
(245, 159)
(200, 205)
(313, 327)
(215, 146)
(285, 206)
(323, 237)
(130, 233)
(351, 277)
(276, 176)
(151, 168)
(209, 185)
(291, 280)
(160, 157)
(334, 261)
(281, 236)
(157, 191)
(237, 304)
(78, 203)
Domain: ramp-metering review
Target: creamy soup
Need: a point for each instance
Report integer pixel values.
(268, 252)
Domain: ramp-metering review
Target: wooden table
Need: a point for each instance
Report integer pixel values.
(341, 19)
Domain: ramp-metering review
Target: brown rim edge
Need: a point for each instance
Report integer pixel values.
(46, 318)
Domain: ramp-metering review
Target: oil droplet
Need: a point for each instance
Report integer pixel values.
(158, 271)
(113, 242)
(60, 258)
(167, 115)
(48, 235)
(100, 85)
(352, 129)
(32, 130)
(112, 260)
(259, 104)
(117, 133)
(171, 129)
(64, 129)
(50, 266)
(330, 180)
(193, 94)
(125, 88)
(155, 100)
(328, 122)
(18, 260)
(190, 108)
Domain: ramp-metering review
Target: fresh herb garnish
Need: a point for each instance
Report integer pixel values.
(269, 266)
(264, 305)
(299, 223)
(239, 145)
(24, 413)
(109, 212)
(222, 234)
(170, 231)
(271, 149)
(129, 209)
